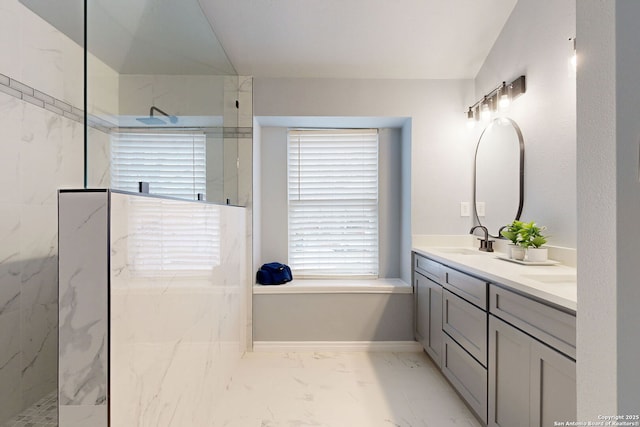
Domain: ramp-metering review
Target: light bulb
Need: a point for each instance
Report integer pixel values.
(504, 100)
(471, 120)
(485, 113)
(573, 58)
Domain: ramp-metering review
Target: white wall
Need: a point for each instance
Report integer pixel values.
(534, 42)
(628, 204)
(333, 317)
(441, 146)
(597, 299)
(273, 214)
(608, 208)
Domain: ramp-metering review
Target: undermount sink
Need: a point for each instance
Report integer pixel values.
(552, 278)
(459, 251)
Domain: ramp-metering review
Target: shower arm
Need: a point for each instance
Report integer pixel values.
(154, 108)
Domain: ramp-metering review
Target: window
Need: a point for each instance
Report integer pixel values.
(169, 238)
(166, 238)
(172, 163)
(333, 202)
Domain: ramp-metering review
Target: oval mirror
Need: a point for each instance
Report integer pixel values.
(499, 175)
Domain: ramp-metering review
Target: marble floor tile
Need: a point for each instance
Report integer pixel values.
(339, 389)
(323, 390)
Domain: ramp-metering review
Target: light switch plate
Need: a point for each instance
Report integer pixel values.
(480, 208)
(465, 209)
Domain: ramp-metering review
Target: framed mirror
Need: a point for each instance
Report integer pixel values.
(498, 179)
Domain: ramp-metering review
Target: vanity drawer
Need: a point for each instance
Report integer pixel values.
(468, 287)
(550, 325)
(466, 375)
(466, 324)
(429, 268)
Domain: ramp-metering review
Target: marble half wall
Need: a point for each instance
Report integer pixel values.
(83, 229)
(151, 308)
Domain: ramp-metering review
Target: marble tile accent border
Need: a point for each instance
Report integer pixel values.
(238, 132)
(40, 99)
(100, 124)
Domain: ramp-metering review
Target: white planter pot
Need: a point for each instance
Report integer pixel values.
(537, 254)
(518, 252)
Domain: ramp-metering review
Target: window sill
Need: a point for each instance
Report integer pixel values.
(320, 286)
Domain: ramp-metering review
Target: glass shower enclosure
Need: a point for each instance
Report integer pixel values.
(161, 98)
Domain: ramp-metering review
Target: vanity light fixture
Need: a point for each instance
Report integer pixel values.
(504, 99)
(485, 110)
(499, 98)
(471, 119)
(573, 60)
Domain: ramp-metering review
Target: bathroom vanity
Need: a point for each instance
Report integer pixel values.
(503, 334)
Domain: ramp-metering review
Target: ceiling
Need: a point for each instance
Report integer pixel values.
(141, 36)
(401, 39)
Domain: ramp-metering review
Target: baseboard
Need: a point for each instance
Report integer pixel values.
(338, 346)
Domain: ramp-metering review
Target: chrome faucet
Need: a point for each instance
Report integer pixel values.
(486, 245)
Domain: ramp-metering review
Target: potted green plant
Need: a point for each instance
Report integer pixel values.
(512, 232)
(532, 240)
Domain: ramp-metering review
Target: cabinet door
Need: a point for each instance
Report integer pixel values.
(530, 384)
(429, 317)
(465, 323)
(467, 376)
(428, 268)
(434, 345)
(465, 286)
(509, 370)
(553, 386)
(422, 312)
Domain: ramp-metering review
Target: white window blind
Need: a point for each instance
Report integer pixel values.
(169, 238)
(174, 164)
(333, 202)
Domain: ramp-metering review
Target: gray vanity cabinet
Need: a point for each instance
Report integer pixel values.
(466, 375)
(530, 382)
(509, 355)
(464, 321)
(466, 324)
(509, 371)
(428, 323)
(451, 325)
(553, 386)
(429, 316)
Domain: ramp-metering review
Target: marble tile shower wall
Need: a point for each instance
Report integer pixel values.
(41, 143)
(42, 151)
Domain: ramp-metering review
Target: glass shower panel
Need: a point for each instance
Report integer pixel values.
(160, 92)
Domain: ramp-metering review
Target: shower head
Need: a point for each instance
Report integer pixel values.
(151, 120)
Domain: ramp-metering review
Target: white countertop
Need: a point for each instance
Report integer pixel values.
(556, 284)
